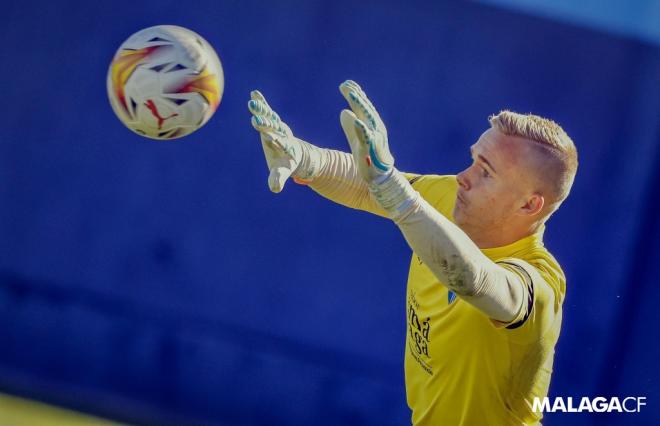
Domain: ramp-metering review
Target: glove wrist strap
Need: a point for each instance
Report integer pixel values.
(310, 165)
(394, 194)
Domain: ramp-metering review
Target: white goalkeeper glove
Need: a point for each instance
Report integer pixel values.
(367, 137)
(285, 154)
(366, 134)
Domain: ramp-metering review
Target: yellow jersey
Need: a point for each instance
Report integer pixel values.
(461, 367)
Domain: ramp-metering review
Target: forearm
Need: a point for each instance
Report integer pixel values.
(449, 253)
(333, 175)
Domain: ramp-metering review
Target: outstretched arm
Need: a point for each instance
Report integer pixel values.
(339, 181)
(330, 173)
(447, 251)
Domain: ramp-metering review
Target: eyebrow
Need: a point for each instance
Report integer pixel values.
(483, 160)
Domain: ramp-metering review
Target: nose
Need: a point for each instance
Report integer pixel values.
(463, 180)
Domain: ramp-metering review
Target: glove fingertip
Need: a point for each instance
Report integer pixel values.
(254, 123)
(346, 117)
(278, 177)
(346, 88)
(274, 185)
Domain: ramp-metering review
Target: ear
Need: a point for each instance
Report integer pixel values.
(533, 205)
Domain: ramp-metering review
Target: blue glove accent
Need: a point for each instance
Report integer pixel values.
(374, 159)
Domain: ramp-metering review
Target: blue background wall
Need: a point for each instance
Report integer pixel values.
(162, 283)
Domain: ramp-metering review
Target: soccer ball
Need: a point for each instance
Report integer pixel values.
(165, 82)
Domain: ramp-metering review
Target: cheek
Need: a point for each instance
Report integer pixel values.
(493, 202)
(504, 202)
(485, 197)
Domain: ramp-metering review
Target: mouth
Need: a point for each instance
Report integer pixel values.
(460, 199)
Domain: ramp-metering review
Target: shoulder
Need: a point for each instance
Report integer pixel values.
(417, 180)
(546, 266)
(437, 190)
(545, 285)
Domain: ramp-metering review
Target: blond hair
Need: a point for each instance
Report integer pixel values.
(559, 152)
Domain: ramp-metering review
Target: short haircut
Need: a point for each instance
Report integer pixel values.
(559, 152)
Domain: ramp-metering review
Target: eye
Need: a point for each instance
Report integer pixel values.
(484, 172)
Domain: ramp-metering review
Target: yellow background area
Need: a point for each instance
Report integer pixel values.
(21, 412)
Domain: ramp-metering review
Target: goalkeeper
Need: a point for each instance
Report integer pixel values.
(484, 296)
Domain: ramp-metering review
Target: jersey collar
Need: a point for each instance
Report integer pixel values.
(534, 240)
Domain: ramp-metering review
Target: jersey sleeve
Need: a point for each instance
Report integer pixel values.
(438, 190)
(339, 181)
(539, 309)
